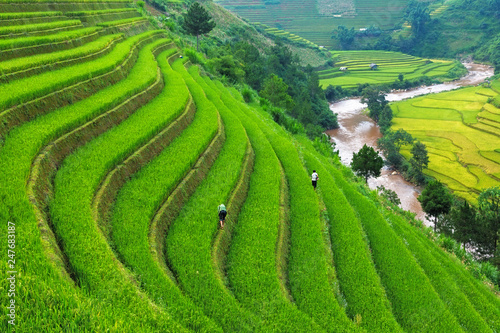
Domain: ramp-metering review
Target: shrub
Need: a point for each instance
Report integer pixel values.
(247, 95)
(490, 271)
(194, 57)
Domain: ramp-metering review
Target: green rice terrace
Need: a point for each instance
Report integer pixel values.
(315, 20)
(356, 67)
(285, 34)
(461, 130)
(115, 152)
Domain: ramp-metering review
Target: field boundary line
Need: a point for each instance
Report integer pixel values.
(42, 32)
(32, 20)
(173, 203)
(116, 178)
(29, 110)
(482, 129)
(25, 51)
(45, 165)
(283, 240)
(237, 198)
(59, 64)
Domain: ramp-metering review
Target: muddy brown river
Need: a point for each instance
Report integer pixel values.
(356, 129)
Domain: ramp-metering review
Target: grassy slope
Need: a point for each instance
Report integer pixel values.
(307, 22)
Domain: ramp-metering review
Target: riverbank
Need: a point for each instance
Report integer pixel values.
(356, 129)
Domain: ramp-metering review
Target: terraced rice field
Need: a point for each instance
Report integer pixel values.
(115, 154)
(389, 66)
(285, 34)
(315, 20)
(462, 134)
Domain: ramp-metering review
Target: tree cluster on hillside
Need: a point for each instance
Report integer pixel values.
(240, 58)
(466, 27)
(345, 36)
(436, 201)
(475, 227)
(417, 14)
(276, 74)
(367, 163)
(392, 141)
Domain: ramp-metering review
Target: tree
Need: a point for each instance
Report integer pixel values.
(419, 160)
(276, 91)
(345, 36)
(489, 209)
(375, 99)
(494, 6)
(198, 21)
(463, 222)
(385, 119)
(389, 194)
(228, 67)
(436, 200)
(417, 13)
(391, 144)
(367, 162)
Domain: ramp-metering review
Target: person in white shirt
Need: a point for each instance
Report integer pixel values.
(222, 215)
(314, 178)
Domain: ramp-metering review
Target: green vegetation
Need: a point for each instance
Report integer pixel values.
(39, 60)
(100, 12)
(115, 155)
(367, 163)
(197, 21)
(435, 200)
(285, 34)
(238, 61)
(407, 287)
(315, 21)
(251, 260)
(63, 1)
(309, 272)
(13, 16)
(356, 69)
(22, 90)
(18, 29)
(6, 44)
(69, 209)
(443, 281)
(122, 22)
(132, 216)
(363, 292)
(189, 253)
(456, 128)
(40, 131)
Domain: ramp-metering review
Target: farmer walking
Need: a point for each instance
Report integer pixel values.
(314, 178)
(222, 215)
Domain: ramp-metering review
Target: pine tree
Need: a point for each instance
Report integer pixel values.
(367, 162)
(436, 200)
(198, 21)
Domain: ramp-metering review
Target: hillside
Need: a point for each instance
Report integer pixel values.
(352, 68)
(315, 20)
(461, 28)
(116, 150)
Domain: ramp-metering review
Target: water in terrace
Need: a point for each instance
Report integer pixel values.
(356, 129)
